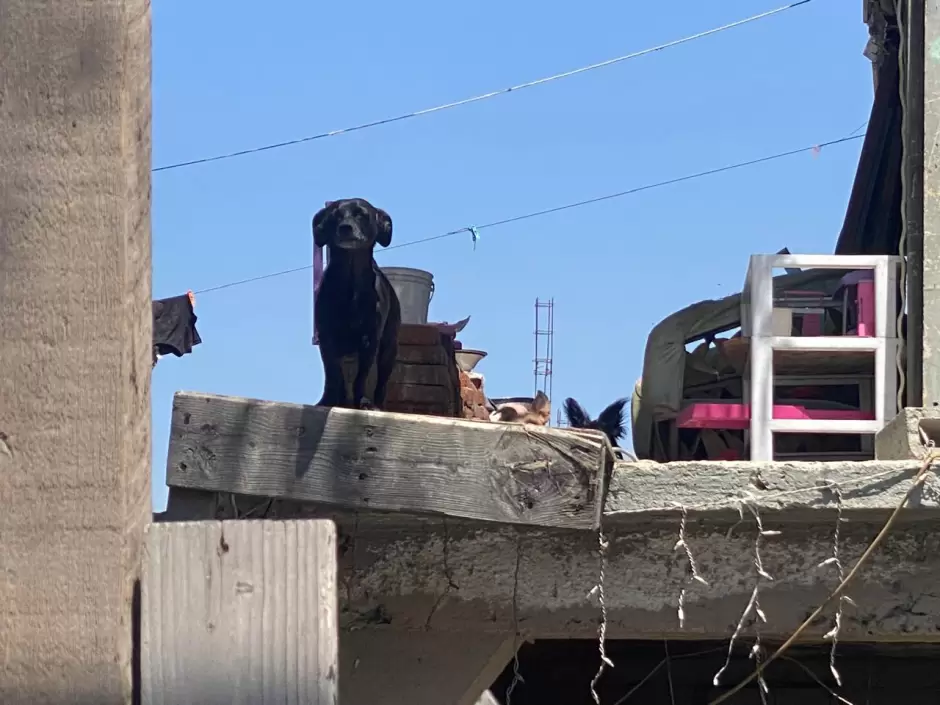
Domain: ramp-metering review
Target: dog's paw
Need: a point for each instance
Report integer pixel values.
(366, 404)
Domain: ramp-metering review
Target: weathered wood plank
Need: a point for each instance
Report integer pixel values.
(421, 355)
(394, 462)
(433, 395)
(646, 494)
(419, 334)
(410, 407)
(436, 375)
(240, 612)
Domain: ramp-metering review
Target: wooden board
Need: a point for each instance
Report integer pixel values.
(405, 373)
(423, 355)
(448, 344)
(240, 612)
(440, 397)
(395, 462)
(419, 334)
(410, 407)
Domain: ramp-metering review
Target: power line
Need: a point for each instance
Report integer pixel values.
(567, 206)
(858, 129)
(485, 96)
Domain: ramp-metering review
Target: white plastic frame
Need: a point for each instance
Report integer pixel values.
(757, 323)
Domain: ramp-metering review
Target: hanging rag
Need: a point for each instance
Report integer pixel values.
(174, 326)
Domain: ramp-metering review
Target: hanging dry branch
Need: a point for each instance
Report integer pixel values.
(919, 480)
(683, 544)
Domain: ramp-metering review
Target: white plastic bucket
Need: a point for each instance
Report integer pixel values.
(415, 289)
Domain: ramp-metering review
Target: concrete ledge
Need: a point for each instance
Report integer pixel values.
(400, 572)
(796, 492)
(901, 439)
(451, 579)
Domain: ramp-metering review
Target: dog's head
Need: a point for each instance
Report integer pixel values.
(352, 224)
(538, 412)
(610, 421)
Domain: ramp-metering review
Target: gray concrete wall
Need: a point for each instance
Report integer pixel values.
(931, 222)
(402, 572)
(469, 579)
(75, 338)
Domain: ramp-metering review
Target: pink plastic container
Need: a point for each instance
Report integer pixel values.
(738, 416)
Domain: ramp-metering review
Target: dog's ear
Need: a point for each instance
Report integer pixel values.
(577, 416)
(322, 227)
(541, 404)
(383, 228)
(541, 409)
(611, 420)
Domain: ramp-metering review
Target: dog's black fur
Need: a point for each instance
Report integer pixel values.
(610, 422)
(357, 310)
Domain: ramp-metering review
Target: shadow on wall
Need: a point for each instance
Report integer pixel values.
(559, 672)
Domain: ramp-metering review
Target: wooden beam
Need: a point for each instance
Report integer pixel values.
(75, 340)
(240, 612)
(643, 494)
(420, 667)
(352, 459)
(478, 693)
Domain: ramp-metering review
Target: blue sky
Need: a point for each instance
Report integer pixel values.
(228, 76)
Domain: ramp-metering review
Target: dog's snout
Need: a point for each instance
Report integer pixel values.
(352, 228)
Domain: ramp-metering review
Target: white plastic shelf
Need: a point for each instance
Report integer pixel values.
(757, 324)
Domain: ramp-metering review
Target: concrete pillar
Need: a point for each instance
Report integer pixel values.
(75, 339)
(931, 198)
(911, 91)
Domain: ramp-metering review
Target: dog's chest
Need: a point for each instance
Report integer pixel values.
(349, 313)
(365, 310)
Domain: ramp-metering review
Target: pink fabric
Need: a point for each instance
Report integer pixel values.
(864, 282)
(865, 302)
(738, 416)
(812, 324)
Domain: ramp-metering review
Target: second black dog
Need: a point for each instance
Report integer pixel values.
(610, 421)
(357, 311)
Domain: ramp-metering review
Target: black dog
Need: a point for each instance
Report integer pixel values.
(610, 421)
(357, 310)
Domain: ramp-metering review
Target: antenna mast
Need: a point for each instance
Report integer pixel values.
(544, 346)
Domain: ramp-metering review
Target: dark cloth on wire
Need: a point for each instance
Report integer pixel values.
(174, 327)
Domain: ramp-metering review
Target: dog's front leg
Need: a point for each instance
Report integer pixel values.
(386, 358)
(334, 387)
(368, 348)
(383, 373)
